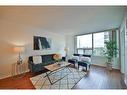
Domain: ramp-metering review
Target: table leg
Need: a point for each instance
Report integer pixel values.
(48, 78)
(69, 69)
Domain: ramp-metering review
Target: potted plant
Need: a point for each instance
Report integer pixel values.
(110, 52)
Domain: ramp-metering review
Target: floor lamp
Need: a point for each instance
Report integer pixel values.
(66, 49)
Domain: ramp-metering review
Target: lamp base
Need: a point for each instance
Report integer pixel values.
(19, 62)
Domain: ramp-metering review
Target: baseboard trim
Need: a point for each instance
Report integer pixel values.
(125, 79)
(105, 67)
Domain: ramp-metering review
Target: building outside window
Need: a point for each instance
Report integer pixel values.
(99, 40)
(93, 43)
(84, 44)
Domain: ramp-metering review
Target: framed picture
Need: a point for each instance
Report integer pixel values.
(41, 43)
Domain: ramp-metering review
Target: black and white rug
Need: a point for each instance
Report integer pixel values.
(68, 82)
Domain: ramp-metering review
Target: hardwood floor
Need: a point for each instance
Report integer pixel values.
(18, 82)
(101, 78)
(97, 78)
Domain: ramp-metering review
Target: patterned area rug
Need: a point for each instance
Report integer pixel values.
(71, 78)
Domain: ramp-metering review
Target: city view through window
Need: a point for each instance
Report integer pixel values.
(92, 43)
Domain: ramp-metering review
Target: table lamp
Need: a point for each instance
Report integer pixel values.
(19, 49)
(66, 49)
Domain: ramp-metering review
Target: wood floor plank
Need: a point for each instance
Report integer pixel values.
(101, 78)
(97, 78)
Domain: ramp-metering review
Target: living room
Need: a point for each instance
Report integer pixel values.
(65, 28)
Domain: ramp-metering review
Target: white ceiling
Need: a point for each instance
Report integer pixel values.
(68, 20)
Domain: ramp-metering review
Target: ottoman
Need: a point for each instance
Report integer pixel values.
(73, 61)
(84, 64)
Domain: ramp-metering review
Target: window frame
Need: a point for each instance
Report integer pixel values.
(92, 41)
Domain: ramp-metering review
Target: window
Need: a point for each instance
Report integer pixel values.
(80, 51)
(99, 42)
(84, 44)
(84, 41)
(92, 43)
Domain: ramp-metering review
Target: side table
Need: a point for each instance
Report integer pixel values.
(18, 69)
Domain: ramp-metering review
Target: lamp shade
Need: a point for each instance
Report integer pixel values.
(18, 49)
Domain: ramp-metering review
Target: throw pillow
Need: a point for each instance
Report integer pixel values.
(87, 59)
(37, 59)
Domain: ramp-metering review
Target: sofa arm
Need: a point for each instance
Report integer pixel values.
(30, 65)
(30, 62)
(35, 67)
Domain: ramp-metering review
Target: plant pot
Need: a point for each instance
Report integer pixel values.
(109, 66)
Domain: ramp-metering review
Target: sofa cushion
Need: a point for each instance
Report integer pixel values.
(37, 59)
(47, 58)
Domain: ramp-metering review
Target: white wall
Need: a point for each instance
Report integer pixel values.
(12, 34)
(70, 45)
(123, 35)
(122, 48)
(98, 60)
